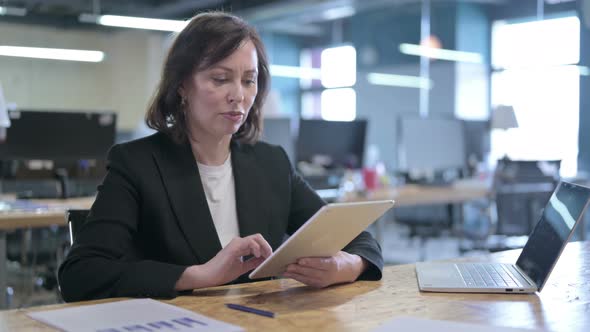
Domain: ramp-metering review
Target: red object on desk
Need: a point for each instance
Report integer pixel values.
(370, 178)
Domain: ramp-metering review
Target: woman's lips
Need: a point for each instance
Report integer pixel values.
(233, 116)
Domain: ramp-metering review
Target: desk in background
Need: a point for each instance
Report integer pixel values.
(416, 195)
(364, 305)
(411, 194)
(49, 212)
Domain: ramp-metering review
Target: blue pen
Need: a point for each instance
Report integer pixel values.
(251, 310)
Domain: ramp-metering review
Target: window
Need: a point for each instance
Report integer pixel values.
(331, 98)
(338, 104)
(533, 72)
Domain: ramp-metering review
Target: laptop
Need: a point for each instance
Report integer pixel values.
(539, 255)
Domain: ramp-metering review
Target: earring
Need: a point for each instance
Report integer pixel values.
(182, 101)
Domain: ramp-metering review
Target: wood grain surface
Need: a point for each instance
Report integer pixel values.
(563, 305)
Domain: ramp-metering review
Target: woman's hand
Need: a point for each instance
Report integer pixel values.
(321, 272)
(227, 265)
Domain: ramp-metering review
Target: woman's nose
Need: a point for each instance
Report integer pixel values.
(237, 95)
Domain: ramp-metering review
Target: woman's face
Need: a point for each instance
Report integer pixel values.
(220, 97)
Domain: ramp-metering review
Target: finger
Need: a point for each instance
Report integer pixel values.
(305, 280)
(241, 247)
(265, 248)
(244, 247)
(254, 247)
(251, 264)
(306, 271)
(320, 263)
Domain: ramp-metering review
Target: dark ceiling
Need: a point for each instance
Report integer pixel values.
(146, 8)
(300, 17)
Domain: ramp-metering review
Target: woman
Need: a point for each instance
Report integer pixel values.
(179, 210)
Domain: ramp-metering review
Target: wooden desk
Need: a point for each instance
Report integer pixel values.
(411, 195)
(416, 195)
(54, 214)
(563, 305)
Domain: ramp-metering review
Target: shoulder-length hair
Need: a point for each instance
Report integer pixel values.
(207, 39)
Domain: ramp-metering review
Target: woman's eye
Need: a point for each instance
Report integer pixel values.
(219, 80)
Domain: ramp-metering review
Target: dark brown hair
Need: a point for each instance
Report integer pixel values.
(207, 39)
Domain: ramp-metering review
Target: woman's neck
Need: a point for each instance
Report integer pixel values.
(212, 152)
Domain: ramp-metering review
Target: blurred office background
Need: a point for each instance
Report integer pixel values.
(366, 95)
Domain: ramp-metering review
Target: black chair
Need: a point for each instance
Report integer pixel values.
(425, 222)
(75, 218)
(522, 189)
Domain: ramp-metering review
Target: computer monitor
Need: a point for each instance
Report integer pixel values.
(430, 144)
(340, 144)
(477, 139)
(51, 135)
(278, 131)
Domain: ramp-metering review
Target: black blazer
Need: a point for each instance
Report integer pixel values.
(150, 220)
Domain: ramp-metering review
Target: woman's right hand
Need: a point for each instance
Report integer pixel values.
(227, 265)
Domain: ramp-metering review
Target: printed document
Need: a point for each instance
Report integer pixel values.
(130, 315)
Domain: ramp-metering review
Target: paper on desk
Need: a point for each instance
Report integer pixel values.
(427, 325)
(130, 315)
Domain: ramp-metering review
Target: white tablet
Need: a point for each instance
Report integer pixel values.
(329, 230)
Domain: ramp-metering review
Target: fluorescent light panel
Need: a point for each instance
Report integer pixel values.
(295, 72)
(14, 11)
(134, 22)
(439, 53)
(52, 53)
(404, 81)
(338, 13)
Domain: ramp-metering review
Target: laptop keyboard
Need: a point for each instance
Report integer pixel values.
(487, 275)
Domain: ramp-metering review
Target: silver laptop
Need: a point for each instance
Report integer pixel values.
(542, 250)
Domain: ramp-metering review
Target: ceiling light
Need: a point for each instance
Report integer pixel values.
(400, 80)
(295, 72)
(52, 53)
(14, 11)
(134, 22)
(338, 13)
(439, 53)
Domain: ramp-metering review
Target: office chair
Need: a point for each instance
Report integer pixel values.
(75, 219)
(425, 222)
(39, 252)
(521, 190)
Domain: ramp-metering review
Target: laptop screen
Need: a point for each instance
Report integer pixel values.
(564, 209)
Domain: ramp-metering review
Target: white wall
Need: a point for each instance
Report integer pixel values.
(123, 82)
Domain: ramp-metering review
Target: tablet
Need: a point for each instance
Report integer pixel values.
(329, 230)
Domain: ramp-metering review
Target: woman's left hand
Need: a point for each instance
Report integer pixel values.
(321, 272)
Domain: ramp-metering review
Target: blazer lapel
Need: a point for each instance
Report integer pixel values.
(250, 191)
(182, 181)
